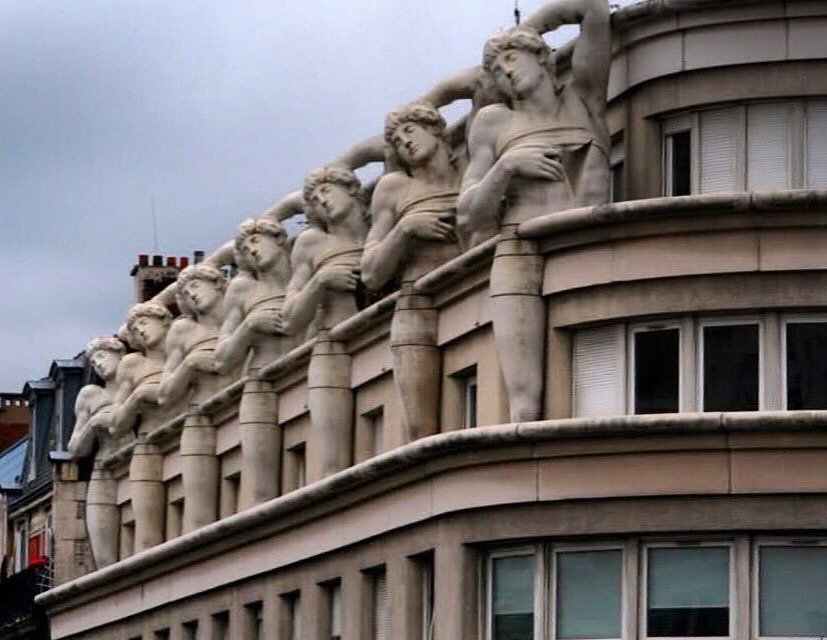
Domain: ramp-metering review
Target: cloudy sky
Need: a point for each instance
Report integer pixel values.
(206, 112)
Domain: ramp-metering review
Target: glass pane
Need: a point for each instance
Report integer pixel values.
(513, 598)
(680, 168)
(618, 182)
(807, 365)
(793, 591)
(688, 592)
(589, 585)
(656, 371)
(731, 368)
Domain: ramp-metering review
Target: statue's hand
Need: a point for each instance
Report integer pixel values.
(339, 278)
(201, 361)
(265, 321)
(101, 420)
(429, 225)
(538, 162)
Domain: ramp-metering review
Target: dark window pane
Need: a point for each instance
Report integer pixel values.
(513, 598)
(681, 163)
(618, 182)
(688, 592)
(657, 371)
(731, 368)
(793, 591)
(807, 365)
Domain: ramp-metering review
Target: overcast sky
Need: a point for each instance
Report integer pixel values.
(207, 111)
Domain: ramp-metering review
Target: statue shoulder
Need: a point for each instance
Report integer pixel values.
(130, 363)
(89, 395)
(308, 240)
(391, 184)
(239, 286)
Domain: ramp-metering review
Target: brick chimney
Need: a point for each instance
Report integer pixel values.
(153, 274)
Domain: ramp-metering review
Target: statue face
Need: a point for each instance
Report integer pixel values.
(105, 363)
(201, 295)
(414, 144)
(262, 251)
(331, 202)
(148, 331)
(517, 72)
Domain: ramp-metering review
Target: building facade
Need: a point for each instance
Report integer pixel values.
(676, 484)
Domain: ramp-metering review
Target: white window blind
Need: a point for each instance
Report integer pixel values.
(720, 133)
(599, 372)
(768, 147)
(817, 144)
(380, 606)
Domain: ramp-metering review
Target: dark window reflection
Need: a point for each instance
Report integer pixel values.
(657, 371)
(807, 365)
(731, 368)
(681, 163)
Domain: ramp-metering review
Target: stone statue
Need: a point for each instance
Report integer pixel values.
(190, 373)
(414, 217)
(546, 149)
(137, 410)
(323, 286)
(94, 410)
(252, 331)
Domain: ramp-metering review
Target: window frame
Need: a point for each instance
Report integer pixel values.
(784, 320)
(669, 127)
(755, 582)
(626, 583)
(644, 327)
(643, 601)
(729, 321)
(540, 580)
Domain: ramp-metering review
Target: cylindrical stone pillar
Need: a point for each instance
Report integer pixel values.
(148, 494)
(199, 471)
(258, 430)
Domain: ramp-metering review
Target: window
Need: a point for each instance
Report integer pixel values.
(376, 420)
(769, 163)
(679, 163)
(512, 597)
(792, 584)
(127, 539)
(292, 616)
(618, 171)
(189, 630)
(588, 586)
(656, 370)
(688, 592)
(298, 466)
(730, 367)
(161, 634)
(806, 364)
(598, 370)
(253, 621)
(469, 386)
(175, 518)
(334, 602)
(33, 443)
(230, 487)
(379, 622)
(221, 626)
(816, 114)
(425, 568)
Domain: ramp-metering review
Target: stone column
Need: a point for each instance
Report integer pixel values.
(416, 362)
(199, 470)
(148, 494)
(103, 515)
(260, 459)
(330, 400)
(455, 597)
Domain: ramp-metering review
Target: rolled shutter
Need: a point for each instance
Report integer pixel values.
(599, 372)
(380, 606)
(720, 131)
(768, 147)
(817, 144)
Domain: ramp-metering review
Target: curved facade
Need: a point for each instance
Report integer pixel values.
(677, 485)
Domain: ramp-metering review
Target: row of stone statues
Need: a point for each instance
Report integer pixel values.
(530, 146)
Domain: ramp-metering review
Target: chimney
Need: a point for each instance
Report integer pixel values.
(152, 275)
(198, 256)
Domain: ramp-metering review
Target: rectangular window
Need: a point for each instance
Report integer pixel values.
(253, 621)
(189, 630)
(425, 565)
(230, 488)
(679, 163)
(806, 365)
(588, 586)
(127, 539)
(175, 518)
(792, 588)
(298, 464)
(657, 371)
(380, 606)
(161, 634)
(688, 592)
(619, 182)
(730, 367)
(769, 163)
(377, 430)
(599, 368)
(292, 609)
(469, 385)
(817, 144)
(512, 597)
(334, 601)
(720, 148)
(221, 626)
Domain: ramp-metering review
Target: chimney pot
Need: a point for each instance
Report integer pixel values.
(143, 260)
(183, 262)
(199, 256)
(172, 261)
(157, 261)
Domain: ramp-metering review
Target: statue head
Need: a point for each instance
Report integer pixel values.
(517, 60)
(262, 243)
(105, 354)
(148, 323)
(201, 287)
(330, 193)
(415, 132)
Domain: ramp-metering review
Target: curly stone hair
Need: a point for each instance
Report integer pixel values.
(265, 226)
(201, 271)
(105, 343)
(420, 113)
(149, 310)
(522, 38)
(333, 175)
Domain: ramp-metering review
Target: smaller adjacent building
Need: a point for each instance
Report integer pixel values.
(14, 419)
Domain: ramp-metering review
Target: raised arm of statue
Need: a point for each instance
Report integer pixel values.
(305, 291)
(125, 398)
(235, 337)
(459, 86)
(83, 435)
(177, 375)
(387, 242)
(365, 152)
(593, 50)
(290, 205)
